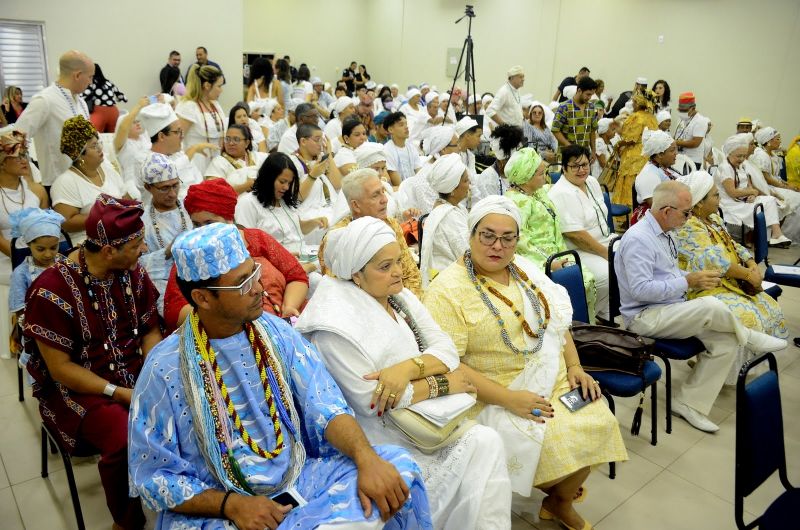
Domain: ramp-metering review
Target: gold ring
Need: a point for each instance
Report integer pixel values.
(379, 389)
(393, 396)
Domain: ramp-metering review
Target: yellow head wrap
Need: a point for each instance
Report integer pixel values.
(76, 133)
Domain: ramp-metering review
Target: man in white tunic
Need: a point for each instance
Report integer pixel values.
(506, 106)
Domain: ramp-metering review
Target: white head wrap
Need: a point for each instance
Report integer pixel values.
(765, 134)
(269, 106)
(570, 91)
(369, 153)
(430, 96)
(464, 124)
(655, 142)
(412, 92)
(438, 138)
(256, 104)
(446, 173)
(526, 100)
(662, 116)
(641, 80)
(736, 141)
(316, 81)
(498, 204)
(444, 97)
(472, 99)
(350, 248)
(485, 100)
(603, 124)
(342, 103)
(156, 117)
(515, 70)
(699, 183)
(370, 85)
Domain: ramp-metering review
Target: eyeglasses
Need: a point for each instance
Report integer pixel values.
(489, 239)
(578, 167)
(177, 131)
(233, 140)
(97, 146)
(246, 286)
(166, 189)
(686, 213)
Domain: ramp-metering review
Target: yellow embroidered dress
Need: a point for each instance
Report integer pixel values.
(631, 160)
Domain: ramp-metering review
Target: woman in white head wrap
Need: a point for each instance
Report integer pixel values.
(445, 229)
(603, 148)
(387, 354)
(505, 140)
(704, 244)
(661, 150)
(738, 195)
(767, 162)
(510, 324)
(540, 225)
(416, 192)
(538, 134)
(664, 119)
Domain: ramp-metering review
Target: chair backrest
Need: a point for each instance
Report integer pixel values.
(555, 173)
(609, 217)
(634, 196)
(760, 241)
(571, 278)
(760, 447)
(420, 231)
(613, 286)
(18, 255)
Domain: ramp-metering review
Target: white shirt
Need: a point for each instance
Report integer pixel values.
(275, 133)
(237, 174)
(333, 129)
(581, 211)
(43, 121)
(600, 148)
(488, 182)
(207, 127)
(405, 160)
(130, 159)
(256, 131)
(416, 191)
(289, 143)
(344, 156)
(694, 127)
(646, 181)
(506, 105)
(301, 89)
(282, 222)
(74, 190)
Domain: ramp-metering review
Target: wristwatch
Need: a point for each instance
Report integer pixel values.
(110, 389)
(420, 364)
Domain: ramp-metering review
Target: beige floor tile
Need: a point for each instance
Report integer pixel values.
(4, 483)
(9, 514)
(518, 523)
(669, 502)
(8, 378)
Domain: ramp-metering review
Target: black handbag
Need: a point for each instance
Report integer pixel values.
(606, 348)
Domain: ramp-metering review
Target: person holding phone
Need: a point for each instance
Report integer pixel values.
(511, 327)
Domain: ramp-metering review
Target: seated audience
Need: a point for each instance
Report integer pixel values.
(353, 135)
(242, 114)
(521, 369)
(287, 424)
(283, 279)
(578, 201)
(661, 151)
(239, 162)
(445, 235)
(469, 139)
(74, 191)
(402, 156)
(653, 294)
(738, 196)
(304, 114)
(540, 225)
(164, 220)
(409, 362)
(201, 117)
(704, 244)
(538, 134)
(416, 191)
(505, 140)
(89, 321)
(766, 157)
(366, 197)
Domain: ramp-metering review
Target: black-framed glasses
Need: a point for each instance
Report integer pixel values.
(578, 167)
(246, 286)
(489, 239)
(686, 213)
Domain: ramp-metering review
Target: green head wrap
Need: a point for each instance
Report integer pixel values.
(522, 165)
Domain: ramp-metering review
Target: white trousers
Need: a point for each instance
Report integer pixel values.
(714, 325)
(599, 267)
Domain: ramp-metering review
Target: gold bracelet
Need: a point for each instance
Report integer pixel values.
(573, 365)
(433, 387)
(420, 364)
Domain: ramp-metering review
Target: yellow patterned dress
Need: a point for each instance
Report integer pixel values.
(704, 246)
(571, 441)
(631, 160)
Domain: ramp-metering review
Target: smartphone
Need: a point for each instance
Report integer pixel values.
(573, 400)
(153, 99)
(324, 157)
(290, 497)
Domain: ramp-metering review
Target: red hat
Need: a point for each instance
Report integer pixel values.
(686, 99)
(113, 221)
(214, 196)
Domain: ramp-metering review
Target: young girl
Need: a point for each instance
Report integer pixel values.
(41, 231)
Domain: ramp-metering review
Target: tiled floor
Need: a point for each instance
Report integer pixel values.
(685, 482)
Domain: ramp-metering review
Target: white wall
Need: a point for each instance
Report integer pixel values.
(131, 41)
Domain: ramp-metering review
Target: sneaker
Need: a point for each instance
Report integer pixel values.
(758, 342)
(694, 418)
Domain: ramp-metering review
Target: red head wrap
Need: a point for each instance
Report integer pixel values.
(214, 196)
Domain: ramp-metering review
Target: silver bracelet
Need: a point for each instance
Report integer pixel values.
(110, 389)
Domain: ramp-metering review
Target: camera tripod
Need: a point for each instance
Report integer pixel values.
(466, 58)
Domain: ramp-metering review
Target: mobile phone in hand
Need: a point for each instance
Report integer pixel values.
(573, 400)
(290, 497)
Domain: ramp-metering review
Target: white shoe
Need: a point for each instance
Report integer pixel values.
(780, 240)
(758, 342)
(694, 418)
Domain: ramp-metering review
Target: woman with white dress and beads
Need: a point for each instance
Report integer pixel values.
(201, 116)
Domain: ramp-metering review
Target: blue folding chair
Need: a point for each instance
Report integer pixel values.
(760, 449)
(615, 210)
(612, 383)
(761, 251)
(555, 172)
(664, 349)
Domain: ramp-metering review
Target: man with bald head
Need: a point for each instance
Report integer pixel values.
(653, 296)
(45, 115)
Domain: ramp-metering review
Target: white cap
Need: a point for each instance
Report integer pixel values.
(156, 117)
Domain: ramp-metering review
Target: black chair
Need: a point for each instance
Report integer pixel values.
(761, 252)
(420, 226)
(664, 349)
(48, 438)
(760, 449)
(612, 383)
(17, 257)
(615, 210)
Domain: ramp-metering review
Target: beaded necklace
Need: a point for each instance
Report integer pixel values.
(71, 102)
(218, 124)
(100, 173)
(292, 222)
(401, 309)
(534, 295)
(4, 195)
(157, 230)
(267, 370)
(110, 318)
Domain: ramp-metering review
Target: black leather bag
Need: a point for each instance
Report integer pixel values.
(606, 348)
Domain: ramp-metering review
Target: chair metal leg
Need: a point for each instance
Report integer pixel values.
(654, 413)
(44, 453)
(73, 491)
(668, 384)
(19, 383)
(612, 466)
